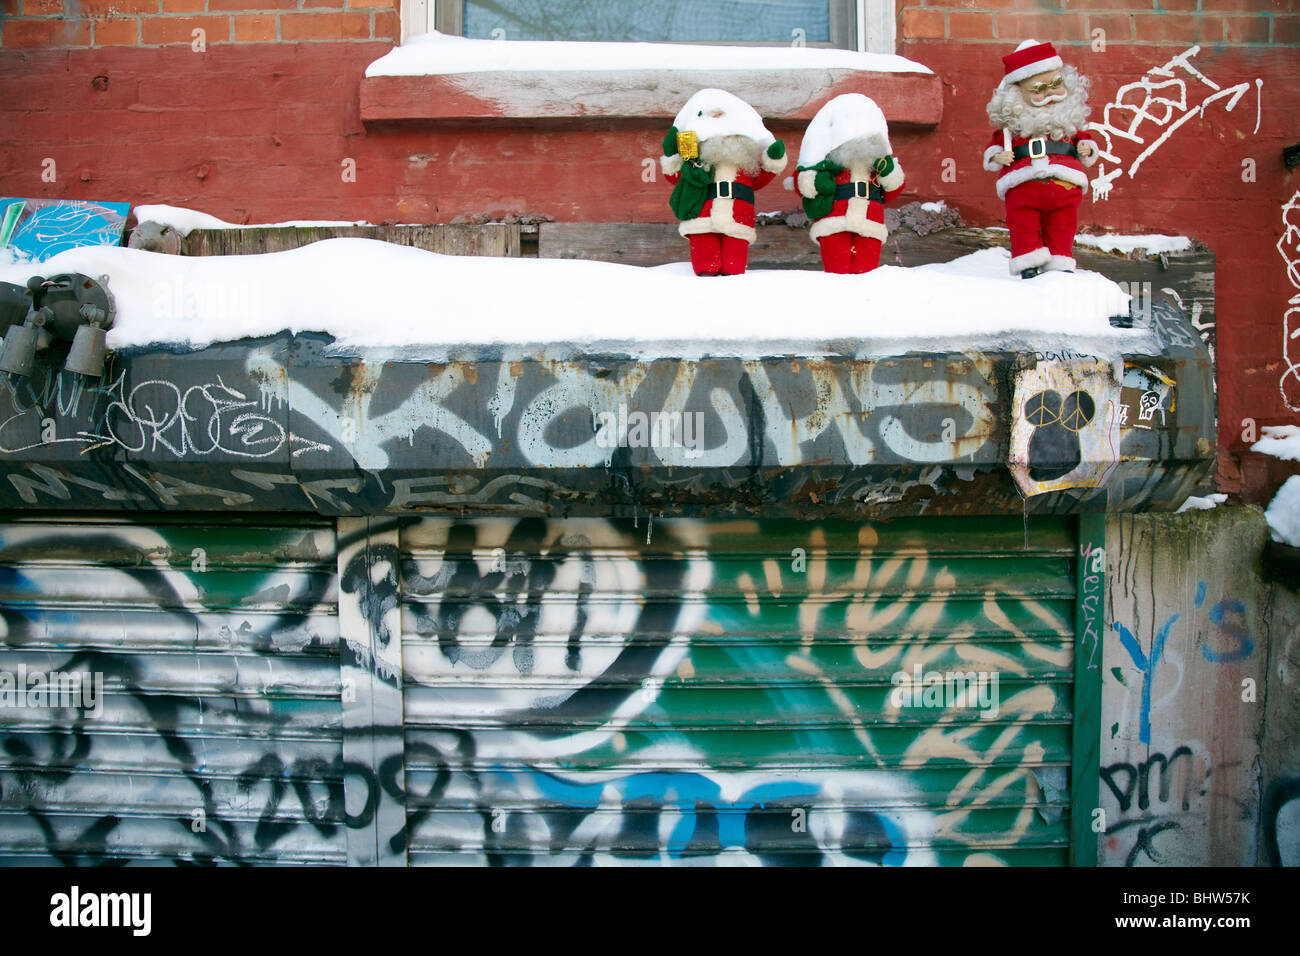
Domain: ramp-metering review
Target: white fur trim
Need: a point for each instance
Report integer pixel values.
(807, 182)
(988, 159)
(773, 165)
(1018, 177)
(671, 164)
(1060, 263)
(893, 180)
(707, 224)
(1033, 69)
(1031, 259)
(833, 224)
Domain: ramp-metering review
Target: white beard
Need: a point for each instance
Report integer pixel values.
(1008, 109)
(864, 150)
(739, 151)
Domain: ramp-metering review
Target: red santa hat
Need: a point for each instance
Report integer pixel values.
(1029, 59)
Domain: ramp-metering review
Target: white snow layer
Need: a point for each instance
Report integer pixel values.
(734, 117)
(186, 221)
(438, 53)
(1283, 514)
(367, 293)
(846, 117)
(1280, 441)
(1153, 244)
(1194, 503)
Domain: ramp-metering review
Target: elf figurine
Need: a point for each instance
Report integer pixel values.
(1040, 150)
(716, 154)
(847, 172)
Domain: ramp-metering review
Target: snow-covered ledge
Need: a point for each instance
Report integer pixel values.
(447, 79)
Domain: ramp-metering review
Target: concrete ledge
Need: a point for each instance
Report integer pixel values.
(626, 96)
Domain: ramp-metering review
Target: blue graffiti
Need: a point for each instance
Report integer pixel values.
(1147, 665)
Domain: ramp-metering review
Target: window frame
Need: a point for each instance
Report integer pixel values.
(847, 18)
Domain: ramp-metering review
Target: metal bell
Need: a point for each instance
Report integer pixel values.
(19, 353)
(86, 357)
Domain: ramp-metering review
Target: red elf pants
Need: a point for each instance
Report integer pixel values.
(1042, 212)
(713, 253)
(847, 252)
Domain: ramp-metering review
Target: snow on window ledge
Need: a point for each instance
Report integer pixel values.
(443, 78)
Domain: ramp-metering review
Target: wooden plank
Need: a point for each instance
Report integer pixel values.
(491, 239)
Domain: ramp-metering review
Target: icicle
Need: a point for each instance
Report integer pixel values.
(649, 526)
(634, 521)
(1025, 509)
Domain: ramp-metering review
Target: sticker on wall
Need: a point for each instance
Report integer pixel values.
(1146, 399)
(1065, 433)
(33, 230)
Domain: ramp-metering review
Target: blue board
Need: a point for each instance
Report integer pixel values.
(33, 230)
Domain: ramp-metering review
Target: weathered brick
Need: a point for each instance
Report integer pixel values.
(370, 5)
(325, 26)
(116, 8)
(1244, 6)
(1245, 29)
(1165, 27)
(1090, 5)
(14, 33)
(244, 6)
(1179, 6)
(254, 28)
(970, 26)
(1286, 30)
(387, 25)
(162, 30)
(923, 24)
(1053, 27)
(123, 31)
(1118, 26)
(42, 8)
(183, 6)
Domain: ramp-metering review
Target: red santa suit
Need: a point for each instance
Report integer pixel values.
(720, 235)
(852, 234)
(1042, 189)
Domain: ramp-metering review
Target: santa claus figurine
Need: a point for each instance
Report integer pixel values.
(1040, 150)
(847, 172)
(716, 154)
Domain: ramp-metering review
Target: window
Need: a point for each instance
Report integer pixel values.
(824, 23)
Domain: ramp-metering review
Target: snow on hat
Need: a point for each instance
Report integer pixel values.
(1029, 59)
(846, 117)
(735, 117)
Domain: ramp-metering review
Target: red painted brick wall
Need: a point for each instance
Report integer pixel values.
(154, 23)
(260, 131)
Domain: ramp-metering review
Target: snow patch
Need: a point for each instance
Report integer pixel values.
(1283, 514)
(1194, 503)
(186, 221)
(1153, 244)
(713, 112)
(437, 54)
(369, 294)
(936, 207)
(1280, 441)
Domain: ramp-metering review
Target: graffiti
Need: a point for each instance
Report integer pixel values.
(1280, 816)
(567, 694)
(1157, 105)
(1162, 790)
(1288, 247)
(155, 415)
(1093, 559)
(1066, 430)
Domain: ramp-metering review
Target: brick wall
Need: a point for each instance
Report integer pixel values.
(156, 23)
(1149, 22)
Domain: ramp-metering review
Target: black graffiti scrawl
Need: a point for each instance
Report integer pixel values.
(1054, 446)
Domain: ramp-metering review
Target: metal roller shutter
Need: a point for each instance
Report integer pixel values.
(219, 738)
(695, 692)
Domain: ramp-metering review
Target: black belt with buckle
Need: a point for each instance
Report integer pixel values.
(729, 190)
(860, 189)
(1038, 147)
